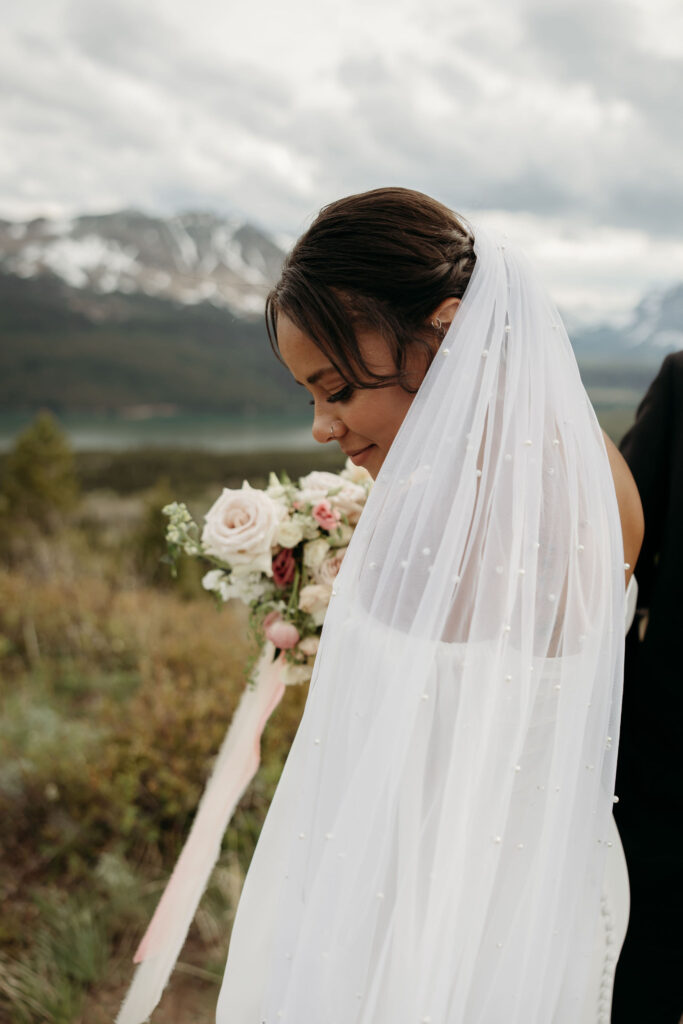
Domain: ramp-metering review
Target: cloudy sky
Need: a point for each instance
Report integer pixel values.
(558, 122)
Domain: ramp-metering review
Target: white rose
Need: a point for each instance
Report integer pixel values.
(247, 588)
(275, 489)
(316, 486)
(309, 645)
(244, 587)
(314, 599)
(342, 535)
(214, 579)
(240, 528)
(345, 495)
(356, 474)
(329, 567)
(250, 584)
(309, 527)
(289, 533)
(314, 553)
(350, 500)
(319, 482)
(295, 674)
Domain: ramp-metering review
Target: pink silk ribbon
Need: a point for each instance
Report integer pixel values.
(235, 767)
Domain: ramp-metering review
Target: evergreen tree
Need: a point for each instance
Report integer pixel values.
(39, 483)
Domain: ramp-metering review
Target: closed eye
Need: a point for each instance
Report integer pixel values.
(343, 395)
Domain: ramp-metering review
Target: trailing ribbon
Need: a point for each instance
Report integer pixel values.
(235, 767)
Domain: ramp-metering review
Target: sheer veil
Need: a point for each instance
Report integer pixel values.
(434, 851)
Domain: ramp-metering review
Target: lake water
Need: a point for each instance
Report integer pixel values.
(614, 406)
(206, 433)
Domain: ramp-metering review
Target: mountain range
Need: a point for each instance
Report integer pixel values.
(189, 259)
(128, 311)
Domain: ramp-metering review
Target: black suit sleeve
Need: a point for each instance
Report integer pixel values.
(647, 450)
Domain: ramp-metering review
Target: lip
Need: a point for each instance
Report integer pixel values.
(360, 456)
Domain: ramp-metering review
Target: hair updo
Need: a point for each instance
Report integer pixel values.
(382, 261)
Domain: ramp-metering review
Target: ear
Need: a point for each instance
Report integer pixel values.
(445, 312)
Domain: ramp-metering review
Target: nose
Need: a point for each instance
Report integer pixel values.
(327, 427)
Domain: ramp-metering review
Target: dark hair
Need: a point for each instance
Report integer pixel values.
(383, 260)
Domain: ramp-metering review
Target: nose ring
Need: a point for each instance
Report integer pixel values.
(332, 430)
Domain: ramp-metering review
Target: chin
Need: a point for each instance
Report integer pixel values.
(374, 464)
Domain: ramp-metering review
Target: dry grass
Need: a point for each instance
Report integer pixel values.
(115, 697)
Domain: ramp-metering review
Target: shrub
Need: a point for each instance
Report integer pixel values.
(115, 701)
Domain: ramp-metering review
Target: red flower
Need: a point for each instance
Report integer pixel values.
(284, 567)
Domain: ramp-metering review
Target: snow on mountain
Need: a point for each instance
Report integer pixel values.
(658, 320)
(201, 257)
(191, 258)
(654, 328)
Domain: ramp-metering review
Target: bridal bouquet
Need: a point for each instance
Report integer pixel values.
(277, 550)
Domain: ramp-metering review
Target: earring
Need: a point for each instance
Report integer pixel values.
(438, 327)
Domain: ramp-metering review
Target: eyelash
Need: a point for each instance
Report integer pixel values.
(342, 395)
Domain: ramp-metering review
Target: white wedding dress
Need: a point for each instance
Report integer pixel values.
(252, 952)
(614, 906)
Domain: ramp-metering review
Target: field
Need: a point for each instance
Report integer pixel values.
(117, 685)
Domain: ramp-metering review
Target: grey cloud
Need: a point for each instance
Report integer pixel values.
(128, 40)
(385, 131)
(122, 36)
(533, 190)
(600, 44)
(625, 171)
(660, 208)
(483, 149)
(89, 144)
(582, 40)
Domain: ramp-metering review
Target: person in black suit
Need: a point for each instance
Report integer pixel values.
(649, 979)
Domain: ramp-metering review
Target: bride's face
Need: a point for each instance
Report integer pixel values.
(365, 421)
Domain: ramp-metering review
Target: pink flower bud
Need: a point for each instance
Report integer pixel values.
(280, 633)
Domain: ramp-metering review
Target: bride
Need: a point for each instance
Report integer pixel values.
(435, 851)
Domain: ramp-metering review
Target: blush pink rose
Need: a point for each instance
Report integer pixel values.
(240, 527)
(284, 567)
(326, 517)
(280, 633)
(329, 567)
(314, 599)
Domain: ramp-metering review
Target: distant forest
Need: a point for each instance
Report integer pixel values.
(75, 352)
(120, 351)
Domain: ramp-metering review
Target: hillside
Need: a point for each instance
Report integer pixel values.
(127, 311)
(144, 352)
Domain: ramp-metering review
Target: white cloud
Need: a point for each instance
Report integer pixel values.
(561, 114)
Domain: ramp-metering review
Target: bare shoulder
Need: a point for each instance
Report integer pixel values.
(630, 508)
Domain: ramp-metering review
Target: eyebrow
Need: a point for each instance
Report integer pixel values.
(315, 377)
